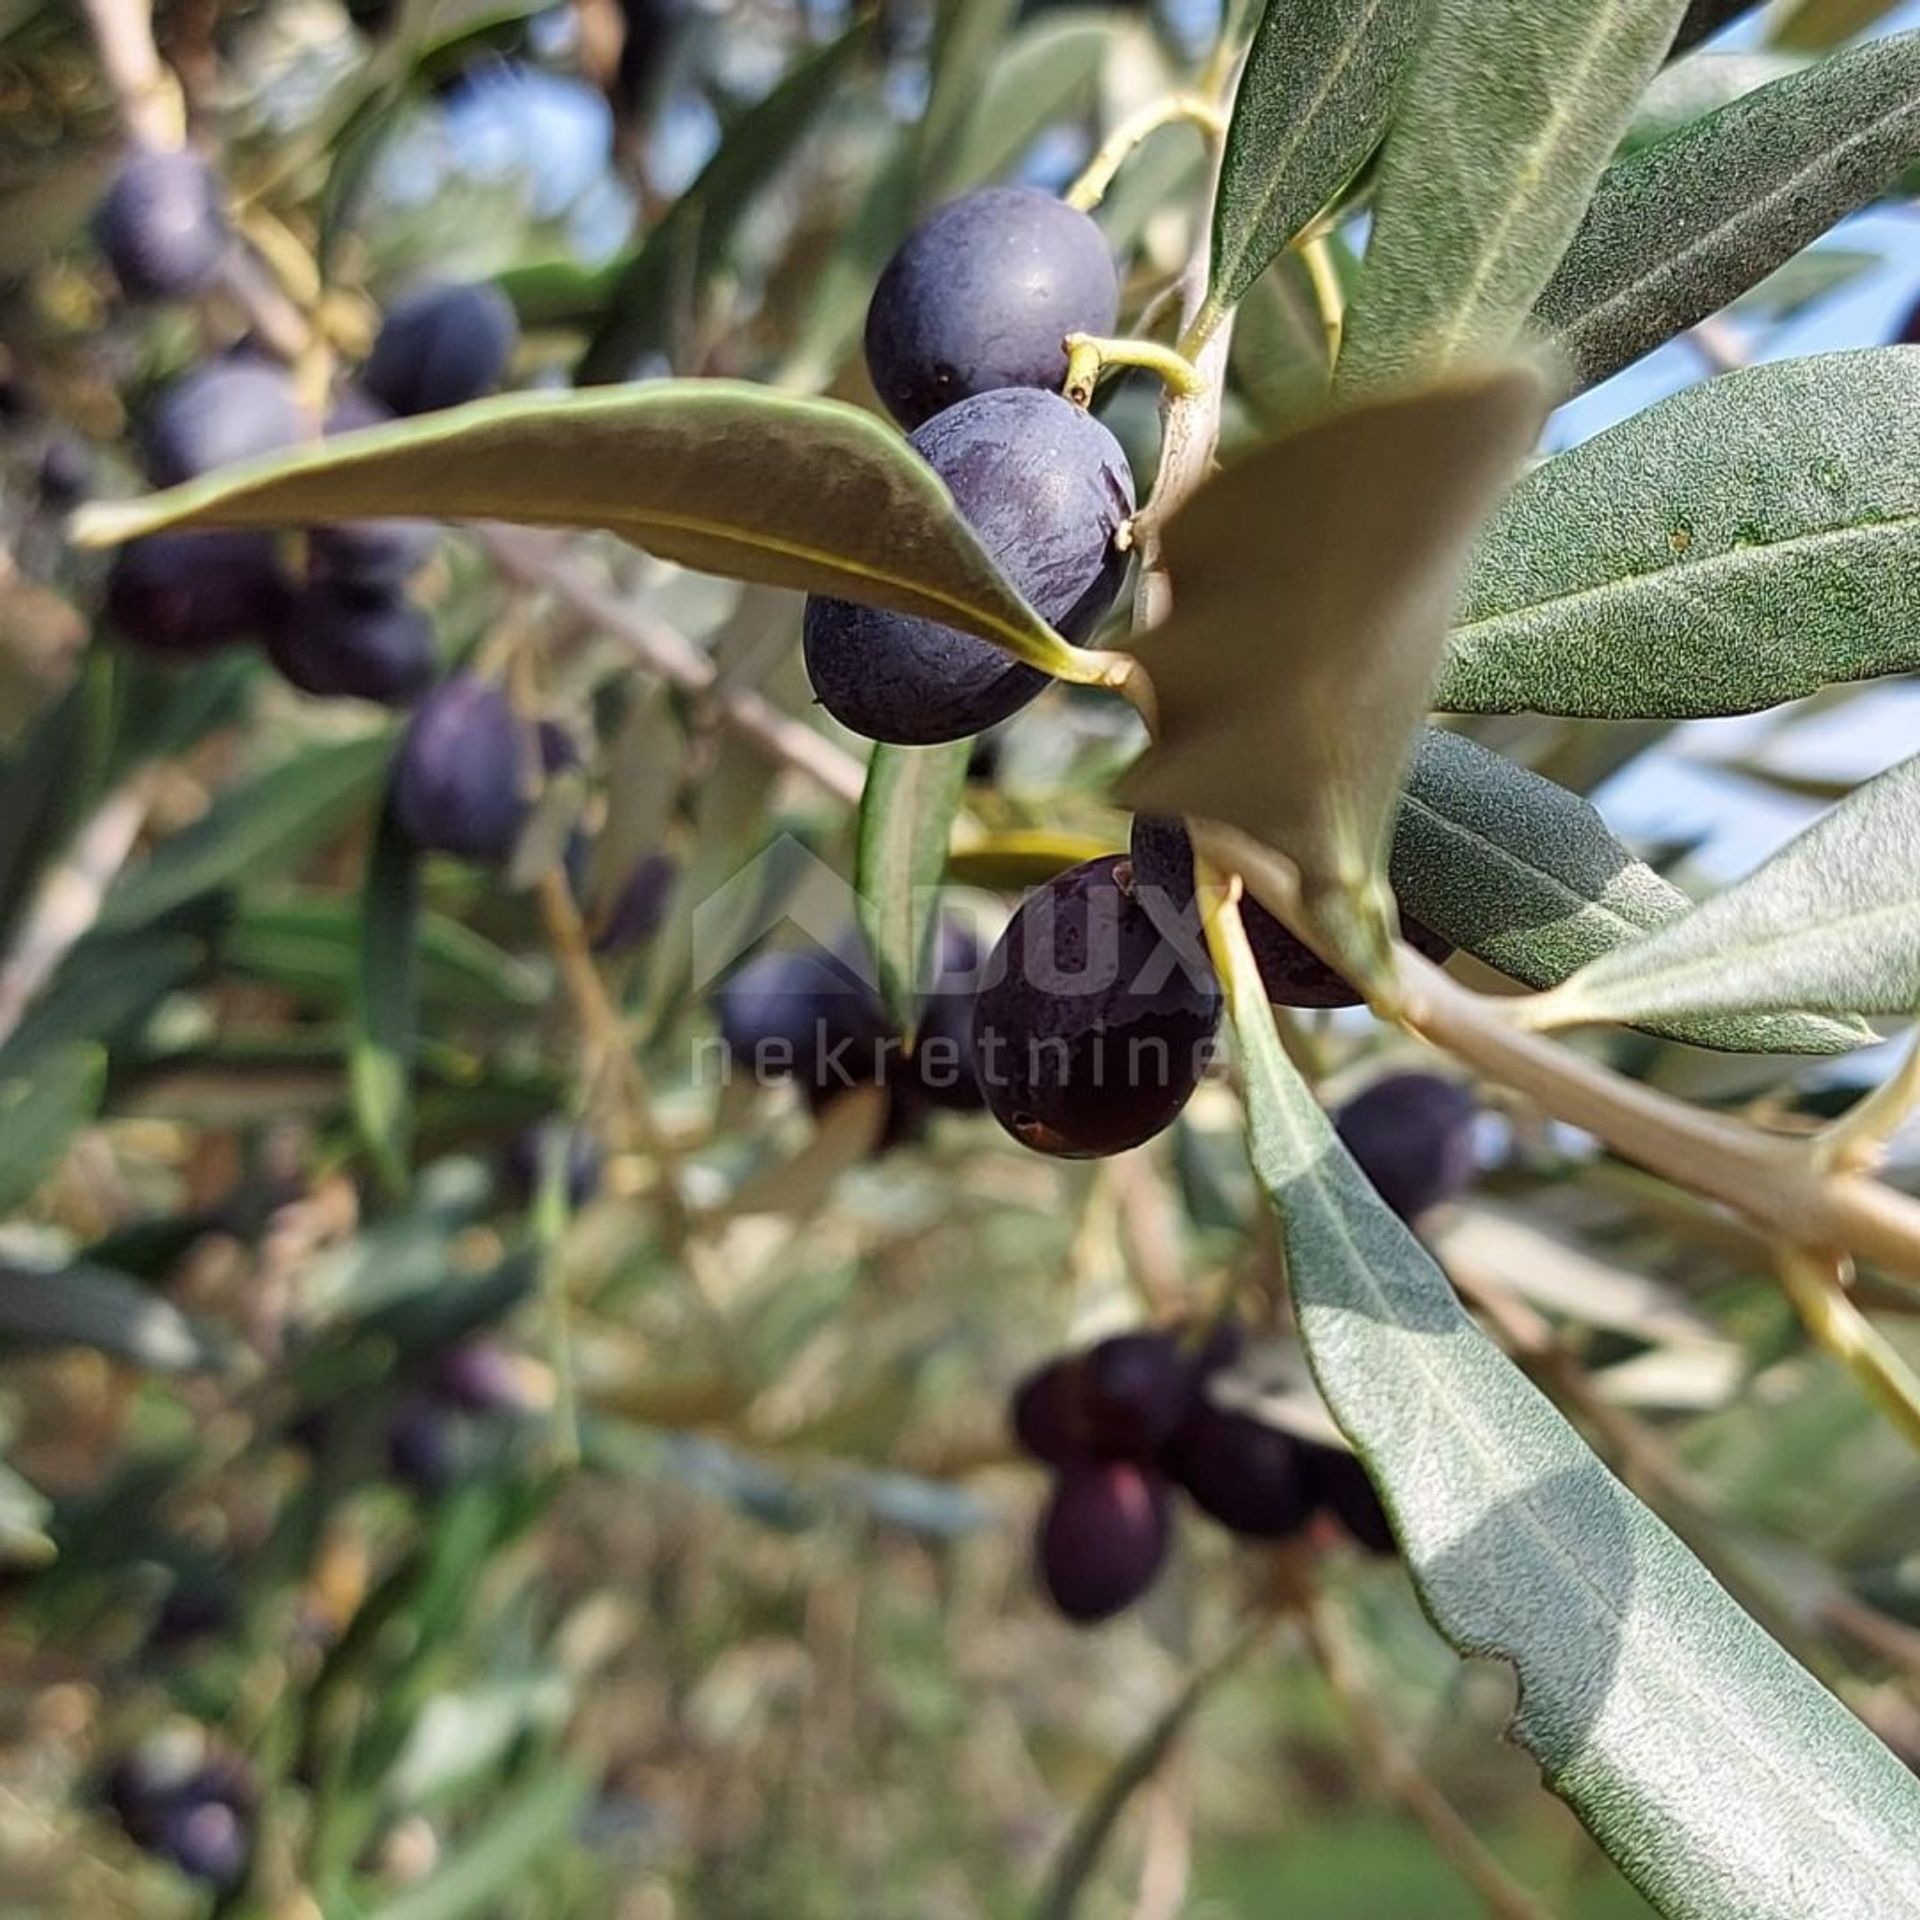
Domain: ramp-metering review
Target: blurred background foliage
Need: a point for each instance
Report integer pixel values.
(720, 1605)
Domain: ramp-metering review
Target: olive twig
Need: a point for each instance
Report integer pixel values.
(1397, 1769)
(1815, 1283)
(1098, 175)
(1088, 357)
(1856, 1139)
(1316, 255)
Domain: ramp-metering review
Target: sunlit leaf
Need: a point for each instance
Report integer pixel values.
(906, 820)
(1314, 99)
(1721, 1778)
(82, 1306)
(714, 474)
(1508, 114)
(1687, 225)
(1743, 543)
(1832, 921)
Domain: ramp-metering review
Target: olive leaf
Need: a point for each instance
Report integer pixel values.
(386, 1003)
(44, 1101)
(86, 1306)
(1720, 1776)
(1683, 227)
(1831, 922)
(1313, 103)
(1508, 112)
(1524, 875)
(259, 826)
(714, 474)
(906, 820)
(1743, 543)
(1816, 25)
(1312, 582)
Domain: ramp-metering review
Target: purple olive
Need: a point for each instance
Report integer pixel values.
(1412, 1136)
(1292, 973)
(178, 595)
(457, 783)
(161, 226)
(1103, 1538)
(1092, 1030)
(363, 643)
(980, 296)
(440, 346)
(1045, 488)
(1247, 1475)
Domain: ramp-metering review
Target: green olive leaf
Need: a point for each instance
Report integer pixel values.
(1311, 586)
(1524, 875)
(714, 474)
(386, 1003)
(1815, 25)
(1744, 543)
(1681, 228)
(906, 821)
(1720, 1776)
(1314, 99)
(1508, 113)
(1831, 922)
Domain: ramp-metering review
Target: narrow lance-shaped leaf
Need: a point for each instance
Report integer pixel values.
(1832, 921)
(683, 250)
(256, 827)
(1722, 1779)
(1683, 227)
(1508, 114)
(387, 1002)
(1312, 584)
(1525, 876)
(1313, 103)
(714, 474)
(906, 820)
(1743, 543)
(41, 1109)
(82, 1306)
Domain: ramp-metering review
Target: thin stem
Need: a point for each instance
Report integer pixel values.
(149, 97)
(1316, 255)
(71, 896)
(1091, 187)
(1856, 1140)
(539, 561)
(1819, 1297)
(1089, 356)
(1401, 1774)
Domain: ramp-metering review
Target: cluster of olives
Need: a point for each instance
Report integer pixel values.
(964, 344)
(1099, 1009)
(344, 627)
(1124, 1423)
